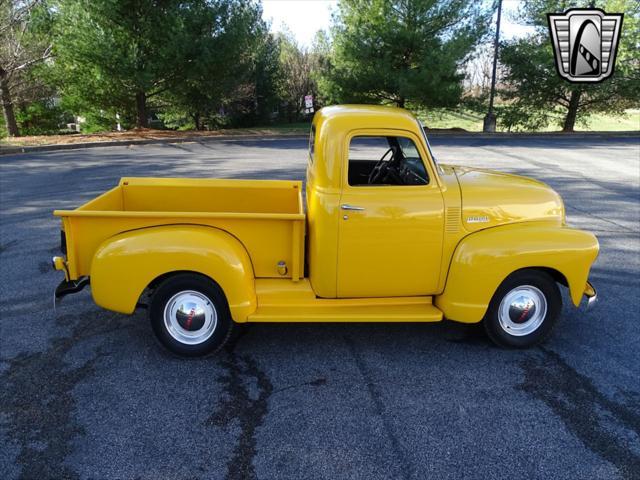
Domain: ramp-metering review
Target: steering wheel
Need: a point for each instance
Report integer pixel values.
(378, 172)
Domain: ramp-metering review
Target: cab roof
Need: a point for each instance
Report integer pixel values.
(391, 116)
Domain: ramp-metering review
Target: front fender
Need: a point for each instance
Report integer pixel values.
(484, 259)
(124, 265)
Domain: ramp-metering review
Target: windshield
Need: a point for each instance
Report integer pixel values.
(312, 141)
(426, 141)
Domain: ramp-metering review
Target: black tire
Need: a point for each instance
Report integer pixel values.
(187, 286)
(498, 326)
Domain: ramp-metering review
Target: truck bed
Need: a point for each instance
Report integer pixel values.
(266, 216)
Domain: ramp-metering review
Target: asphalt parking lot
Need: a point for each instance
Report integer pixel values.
(86, 393)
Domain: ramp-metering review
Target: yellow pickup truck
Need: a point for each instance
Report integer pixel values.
(389, 235)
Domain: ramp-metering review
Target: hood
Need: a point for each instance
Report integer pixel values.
(492, 198)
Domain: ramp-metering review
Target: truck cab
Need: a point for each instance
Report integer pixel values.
(376, 205)
(388, 235)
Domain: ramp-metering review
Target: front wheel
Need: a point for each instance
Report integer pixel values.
(523, 310)
(190, 316)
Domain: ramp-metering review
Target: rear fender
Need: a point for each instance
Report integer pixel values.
(484, 259)
(124, 265)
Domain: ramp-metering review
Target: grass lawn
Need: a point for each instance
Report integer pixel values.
(472, 121)
(446, 119)
(605, 123)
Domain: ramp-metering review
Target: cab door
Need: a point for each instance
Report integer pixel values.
(390, 233)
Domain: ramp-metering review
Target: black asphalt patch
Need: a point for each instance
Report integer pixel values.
(240, 406)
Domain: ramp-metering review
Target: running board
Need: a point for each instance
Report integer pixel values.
(289, 302)
(387, 313)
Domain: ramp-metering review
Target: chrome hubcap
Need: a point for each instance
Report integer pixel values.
(522, 310)
(190, 317)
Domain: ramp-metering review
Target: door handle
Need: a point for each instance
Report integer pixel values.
(346, 206)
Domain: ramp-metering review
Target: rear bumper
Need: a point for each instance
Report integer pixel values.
(591, 294)
(67, 285)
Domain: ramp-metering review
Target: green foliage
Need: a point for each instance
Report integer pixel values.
(213, 63)
(194, 63)
(321, 49)
(230, 68)
(3, 128)
(192, 55)
(537, 96)
(393, 51)
(40, 118)
(109, 51)
(267, 77)
(177, 119)
(96, 120)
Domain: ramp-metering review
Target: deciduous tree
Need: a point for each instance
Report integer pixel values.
(298, 68)
(23, 45)
(537, 96)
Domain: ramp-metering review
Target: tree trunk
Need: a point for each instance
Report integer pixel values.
(196, 121)
(401, 102)
(7, 109)
(289, 113)
(141, 110)
(572, 113)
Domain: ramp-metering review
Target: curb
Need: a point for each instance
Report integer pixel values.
(152, 141)
(434, 133)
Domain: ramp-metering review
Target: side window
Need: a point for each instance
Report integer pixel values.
(378, 160)
(312, 141)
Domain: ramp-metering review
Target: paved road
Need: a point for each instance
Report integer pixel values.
(87, 393)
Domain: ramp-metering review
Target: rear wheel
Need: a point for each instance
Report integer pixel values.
(190, 316)
(523, 310)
